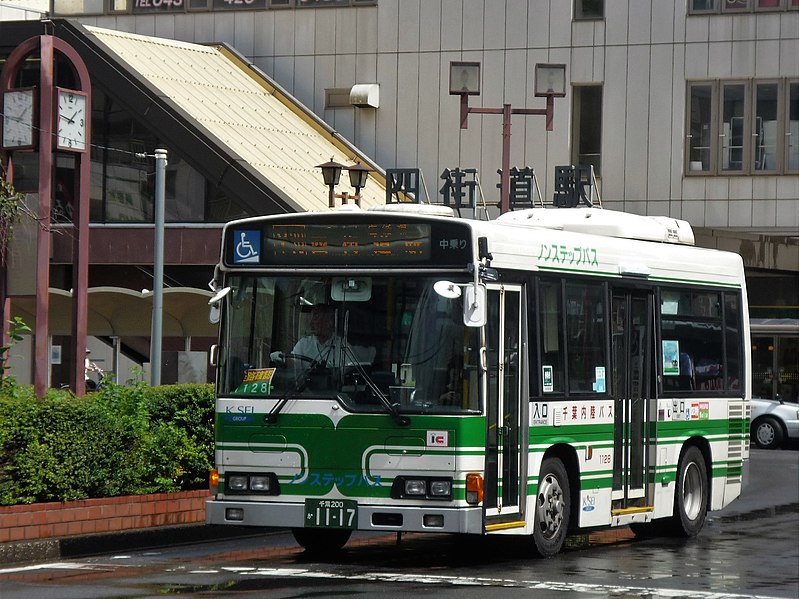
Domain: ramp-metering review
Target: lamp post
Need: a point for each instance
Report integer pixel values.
(464, 81)
(331, 173)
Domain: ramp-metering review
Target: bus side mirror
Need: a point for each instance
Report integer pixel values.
(215, 304)
(475, 305)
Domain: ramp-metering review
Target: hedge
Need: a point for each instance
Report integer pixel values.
(121, 440)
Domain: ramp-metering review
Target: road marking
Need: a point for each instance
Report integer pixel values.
(53, 566)
(550, 585)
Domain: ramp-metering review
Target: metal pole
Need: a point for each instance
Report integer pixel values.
(158, 268)
(505, 179)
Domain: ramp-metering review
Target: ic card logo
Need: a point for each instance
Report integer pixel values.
(437, 438)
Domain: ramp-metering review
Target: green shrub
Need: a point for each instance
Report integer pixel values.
(118, 441)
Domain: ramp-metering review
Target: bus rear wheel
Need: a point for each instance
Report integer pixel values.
(552, 508)
(691, 494)
(321, 540)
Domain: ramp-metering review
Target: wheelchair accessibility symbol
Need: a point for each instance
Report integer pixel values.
(248, 247)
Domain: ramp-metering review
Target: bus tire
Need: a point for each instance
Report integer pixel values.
(321, 540)
(552, 508)
(691, 494)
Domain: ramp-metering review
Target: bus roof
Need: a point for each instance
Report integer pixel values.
(611, 223)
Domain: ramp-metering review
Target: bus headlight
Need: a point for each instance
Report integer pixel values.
(415, 487)
(422, 488)
(440, 488)
(240, 483)
(236, 482)
(259, 483)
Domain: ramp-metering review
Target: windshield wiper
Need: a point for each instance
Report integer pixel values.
(393, 411)
(299, 386)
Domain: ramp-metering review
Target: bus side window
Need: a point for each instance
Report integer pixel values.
(551, 319)
(699, 332)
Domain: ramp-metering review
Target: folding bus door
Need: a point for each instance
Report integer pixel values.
(506, 447)
(632, 325)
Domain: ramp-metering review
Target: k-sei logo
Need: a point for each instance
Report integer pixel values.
(247, 248)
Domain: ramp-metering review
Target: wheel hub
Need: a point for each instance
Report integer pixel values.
(550, 506)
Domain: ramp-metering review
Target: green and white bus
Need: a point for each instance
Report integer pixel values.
(552, 370)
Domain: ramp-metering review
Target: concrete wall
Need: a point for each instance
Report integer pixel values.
(102, 354)
(642, 53)
(23, 10)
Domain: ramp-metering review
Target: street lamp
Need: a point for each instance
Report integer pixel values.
(464, 81)
(331, 173)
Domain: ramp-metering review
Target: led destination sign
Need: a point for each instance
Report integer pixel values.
(336, 244)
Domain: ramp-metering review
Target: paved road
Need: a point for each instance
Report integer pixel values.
(749, 549)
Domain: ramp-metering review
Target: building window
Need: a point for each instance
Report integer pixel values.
(742, 127)
(733, 128)
(81, 7)
(765, 127)
(123, 183)
(589, 9)
(700, 127)
(738, 6)
(587, 126)
(702, 6)
(792, 133)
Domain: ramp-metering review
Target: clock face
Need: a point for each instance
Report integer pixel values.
(18, 109)
(71, 128)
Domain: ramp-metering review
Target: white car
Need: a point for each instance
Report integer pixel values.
(773, 422)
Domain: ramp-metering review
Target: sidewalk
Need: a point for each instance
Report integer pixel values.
(83, 545)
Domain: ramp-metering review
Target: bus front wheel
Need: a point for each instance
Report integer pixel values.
(552, 508)
(691, 494)
(321, 540)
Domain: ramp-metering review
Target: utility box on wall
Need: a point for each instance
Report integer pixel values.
(365, 95)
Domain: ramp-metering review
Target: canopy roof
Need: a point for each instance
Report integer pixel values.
(262, 131)
(116, 311)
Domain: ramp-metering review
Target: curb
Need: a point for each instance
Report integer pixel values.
(20, 552)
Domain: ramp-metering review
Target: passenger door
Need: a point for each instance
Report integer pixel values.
(506, 447)
(632, 353)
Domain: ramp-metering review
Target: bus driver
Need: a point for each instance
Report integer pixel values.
(320, 346)
(323, 348)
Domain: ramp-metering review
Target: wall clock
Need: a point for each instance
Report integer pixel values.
(19, 118)
(71, 120)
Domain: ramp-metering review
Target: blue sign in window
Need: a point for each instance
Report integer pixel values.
(247, 247)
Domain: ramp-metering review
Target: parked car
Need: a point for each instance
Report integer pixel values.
(773, 422)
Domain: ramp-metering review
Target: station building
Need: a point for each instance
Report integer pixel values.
(688, 108)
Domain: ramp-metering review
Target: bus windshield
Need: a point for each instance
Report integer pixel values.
(362, 340)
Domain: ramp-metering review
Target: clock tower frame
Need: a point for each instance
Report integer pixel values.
(47, 46)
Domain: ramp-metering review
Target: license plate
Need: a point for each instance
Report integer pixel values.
(331, 513)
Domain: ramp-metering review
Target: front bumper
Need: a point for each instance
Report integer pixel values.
(370, 517)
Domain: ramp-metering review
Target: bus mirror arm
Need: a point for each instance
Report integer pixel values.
(483, 273)
(213, 357)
